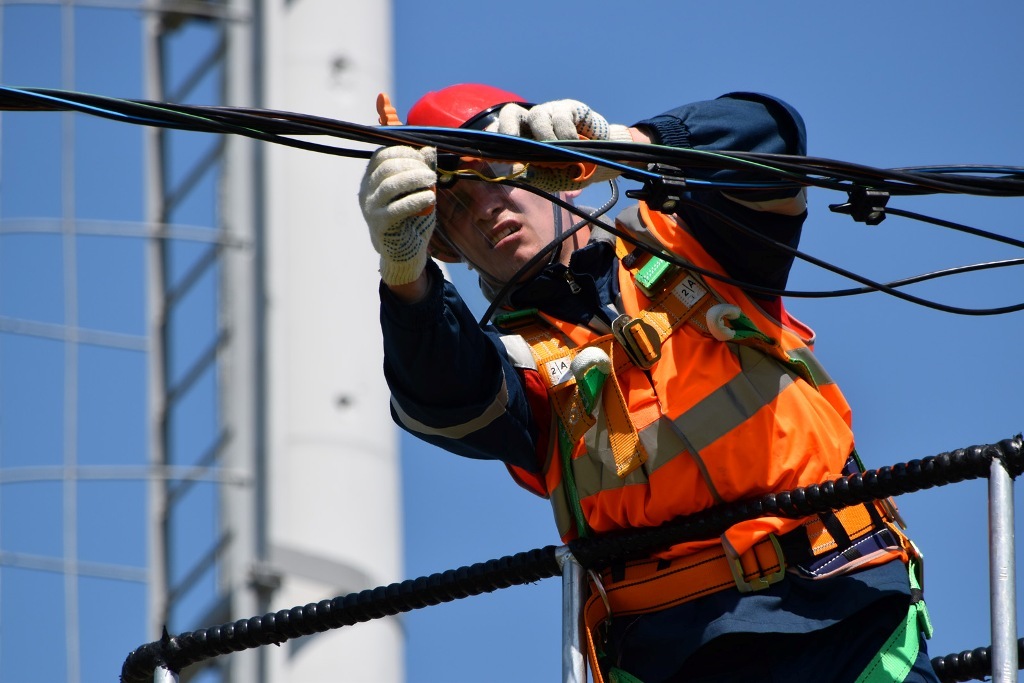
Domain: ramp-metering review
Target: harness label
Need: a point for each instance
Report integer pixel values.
(689, 291)
(558, 370)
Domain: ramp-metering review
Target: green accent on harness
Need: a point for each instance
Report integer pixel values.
(897, 656)
(803, 369)
(917, 570)
(747, 332)
(860, 463)
(652, 272)
(572, 495)
(510, 317)
(620, 676)
(590, 388)
(745, 328)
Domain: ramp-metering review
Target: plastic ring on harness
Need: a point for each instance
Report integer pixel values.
(716, 317)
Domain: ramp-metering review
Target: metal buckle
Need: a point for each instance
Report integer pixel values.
(890, 507)
(596, 578)
(760, 583)
(622, 330)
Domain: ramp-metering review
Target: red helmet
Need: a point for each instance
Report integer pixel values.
(466, 105)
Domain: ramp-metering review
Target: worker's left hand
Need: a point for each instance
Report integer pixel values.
(559, 120)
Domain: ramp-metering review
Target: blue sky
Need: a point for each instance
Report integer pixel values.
(882, 84)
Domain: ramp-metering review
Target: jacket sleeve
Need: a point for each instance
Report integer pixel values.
(746, 122)
(451, 382)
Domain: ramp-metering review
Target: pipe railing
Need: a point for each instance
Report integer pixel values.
(162, 660)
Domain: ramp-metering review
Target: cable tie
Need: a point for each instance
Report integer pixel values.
(864, 205)
(662, 193)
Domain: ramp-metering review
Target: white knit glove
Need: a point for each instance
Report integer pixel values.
(397, 197)
(560, 120)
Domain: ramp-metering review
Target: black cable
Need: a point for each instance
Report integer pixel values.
(776, 170)
(956, 270)
(273, 125)
(825, 265)
(955, 226)
(870, 285)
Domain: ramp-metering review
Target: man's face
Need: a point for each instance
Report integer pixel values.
(497, 228)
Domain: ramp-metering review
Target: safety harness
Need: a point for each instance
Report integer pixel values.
(826, 544)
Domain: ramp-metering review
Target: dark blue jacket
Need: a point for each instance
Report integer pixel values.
(453, 385)
(448, 376)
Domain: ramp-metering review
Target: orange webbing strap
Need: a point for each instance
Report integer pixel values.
(641, 586)
(551, 349)
(683, 299)
(627, 448)
(856, 520)
(554, 357)
(644, 588)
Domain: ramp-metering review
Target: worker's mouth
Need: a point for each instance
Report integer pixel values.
(503, 231)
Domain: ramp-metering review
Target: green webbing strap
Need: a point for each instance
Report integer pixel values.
(745, 328)
(860, 463)
(589, 386)
(569, 481)
(513, 318)
(746, 332)
(897, 656)
(620, 676)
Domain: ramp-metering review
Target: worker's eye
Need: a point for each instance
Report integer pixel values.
(450, 206)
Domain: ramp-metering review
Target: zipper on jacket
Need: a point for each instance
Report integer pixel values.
(573, 286)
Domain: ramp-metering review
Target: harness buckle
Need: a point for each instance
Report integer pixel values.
(759, 583)
(639, 339)
(894, 513)
(599, 586)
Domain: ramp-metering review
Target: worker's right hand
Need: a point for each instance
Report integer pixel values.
(397, 196)
(559, 120)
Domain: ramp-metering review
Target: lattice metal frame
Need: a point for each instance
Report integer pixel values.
(228, 256)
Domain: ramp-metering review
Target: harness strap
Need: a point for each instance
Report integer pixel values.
(643, 586)
(677, 296)
(896, 658)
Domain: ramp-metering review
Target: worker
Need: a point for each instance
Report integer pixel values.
(630, 390)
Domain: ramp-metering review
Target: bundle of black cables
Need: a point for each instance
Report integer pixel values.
(662, 171)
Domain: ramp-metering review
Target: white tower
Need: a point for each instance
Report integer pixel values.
(302, 397)
(325, 513)
(332, 491)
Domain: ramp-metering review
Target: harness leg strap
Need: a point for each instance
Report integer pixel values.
(898, 654)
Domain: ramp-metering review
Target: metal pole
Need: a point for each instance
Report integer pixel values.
(574, 586)
(156, 309)
(164, 675)
(1002, 573)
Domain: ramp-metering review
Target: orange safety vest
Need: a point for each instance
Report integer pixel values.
(706, 422)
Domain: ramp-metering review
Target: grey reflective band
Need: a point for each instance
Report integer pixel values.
(495, 410)
(818, 372)
(736, 401)
(519, 352)
(762, 380)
